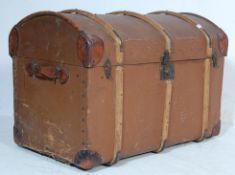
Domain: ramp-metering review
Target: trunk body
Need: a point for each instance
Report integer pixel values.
(93, 89)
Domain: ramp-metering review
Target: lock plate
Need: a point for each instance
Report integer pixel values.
(107, 69)
(215, 61)
(167, 71)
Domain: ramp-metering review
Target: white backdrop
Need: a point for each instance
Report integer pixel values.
(215, 155)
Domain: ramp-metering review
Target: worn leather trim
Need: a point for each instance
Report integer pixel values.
(118, 77)
(13, 42)
(87, 159)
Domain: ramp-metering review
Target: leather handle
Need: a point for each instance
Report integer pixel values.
(52, 73)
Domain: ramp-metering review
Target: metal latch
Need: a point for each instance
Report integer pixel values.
(107, 69)
(215, 60)
(167, 68)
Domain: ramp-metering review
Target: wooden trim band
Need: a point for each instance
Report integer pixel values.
(166, 115)
(151, 22)
(190, 21)
(206, 99)
(119, 76)
(168, 96)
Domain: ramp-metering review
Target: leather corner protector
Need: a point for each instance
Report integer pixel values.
(90, 49)
(222, 43)
(13, 42)
(17, 135)
(87, 159)
(216, 129)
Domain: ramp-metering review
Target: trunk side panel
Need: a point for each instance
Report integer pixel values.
(101, 112)
(142, 123)
(187, 102)
(144, 95)
(48, 114)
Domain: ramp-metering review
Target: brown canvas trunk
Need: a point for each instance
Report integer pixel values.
(93, 89)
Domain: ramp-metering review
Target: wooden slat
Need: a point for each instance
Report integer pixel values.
(206, 98)
(166, 115)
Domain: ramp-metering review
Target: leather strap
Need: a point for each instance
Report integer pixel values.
(168, 95)
(118, 79)
(207, 65)
(52, 73)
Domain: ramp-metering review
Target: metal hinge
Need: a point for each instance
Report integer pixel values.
(107, 69)
(215, 60)
(167, 69)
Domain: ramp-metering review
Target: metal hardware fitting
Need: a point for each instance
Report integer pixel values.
(107, 69)
(167, 69)
(47, 72)
(215, 60)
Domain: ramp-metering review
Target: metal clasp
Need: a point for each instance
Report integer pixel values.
(107, 69)
(215, 60)
(167, 71)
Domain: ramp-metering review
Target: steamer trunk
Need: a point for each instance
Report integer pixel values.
(93, 89)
